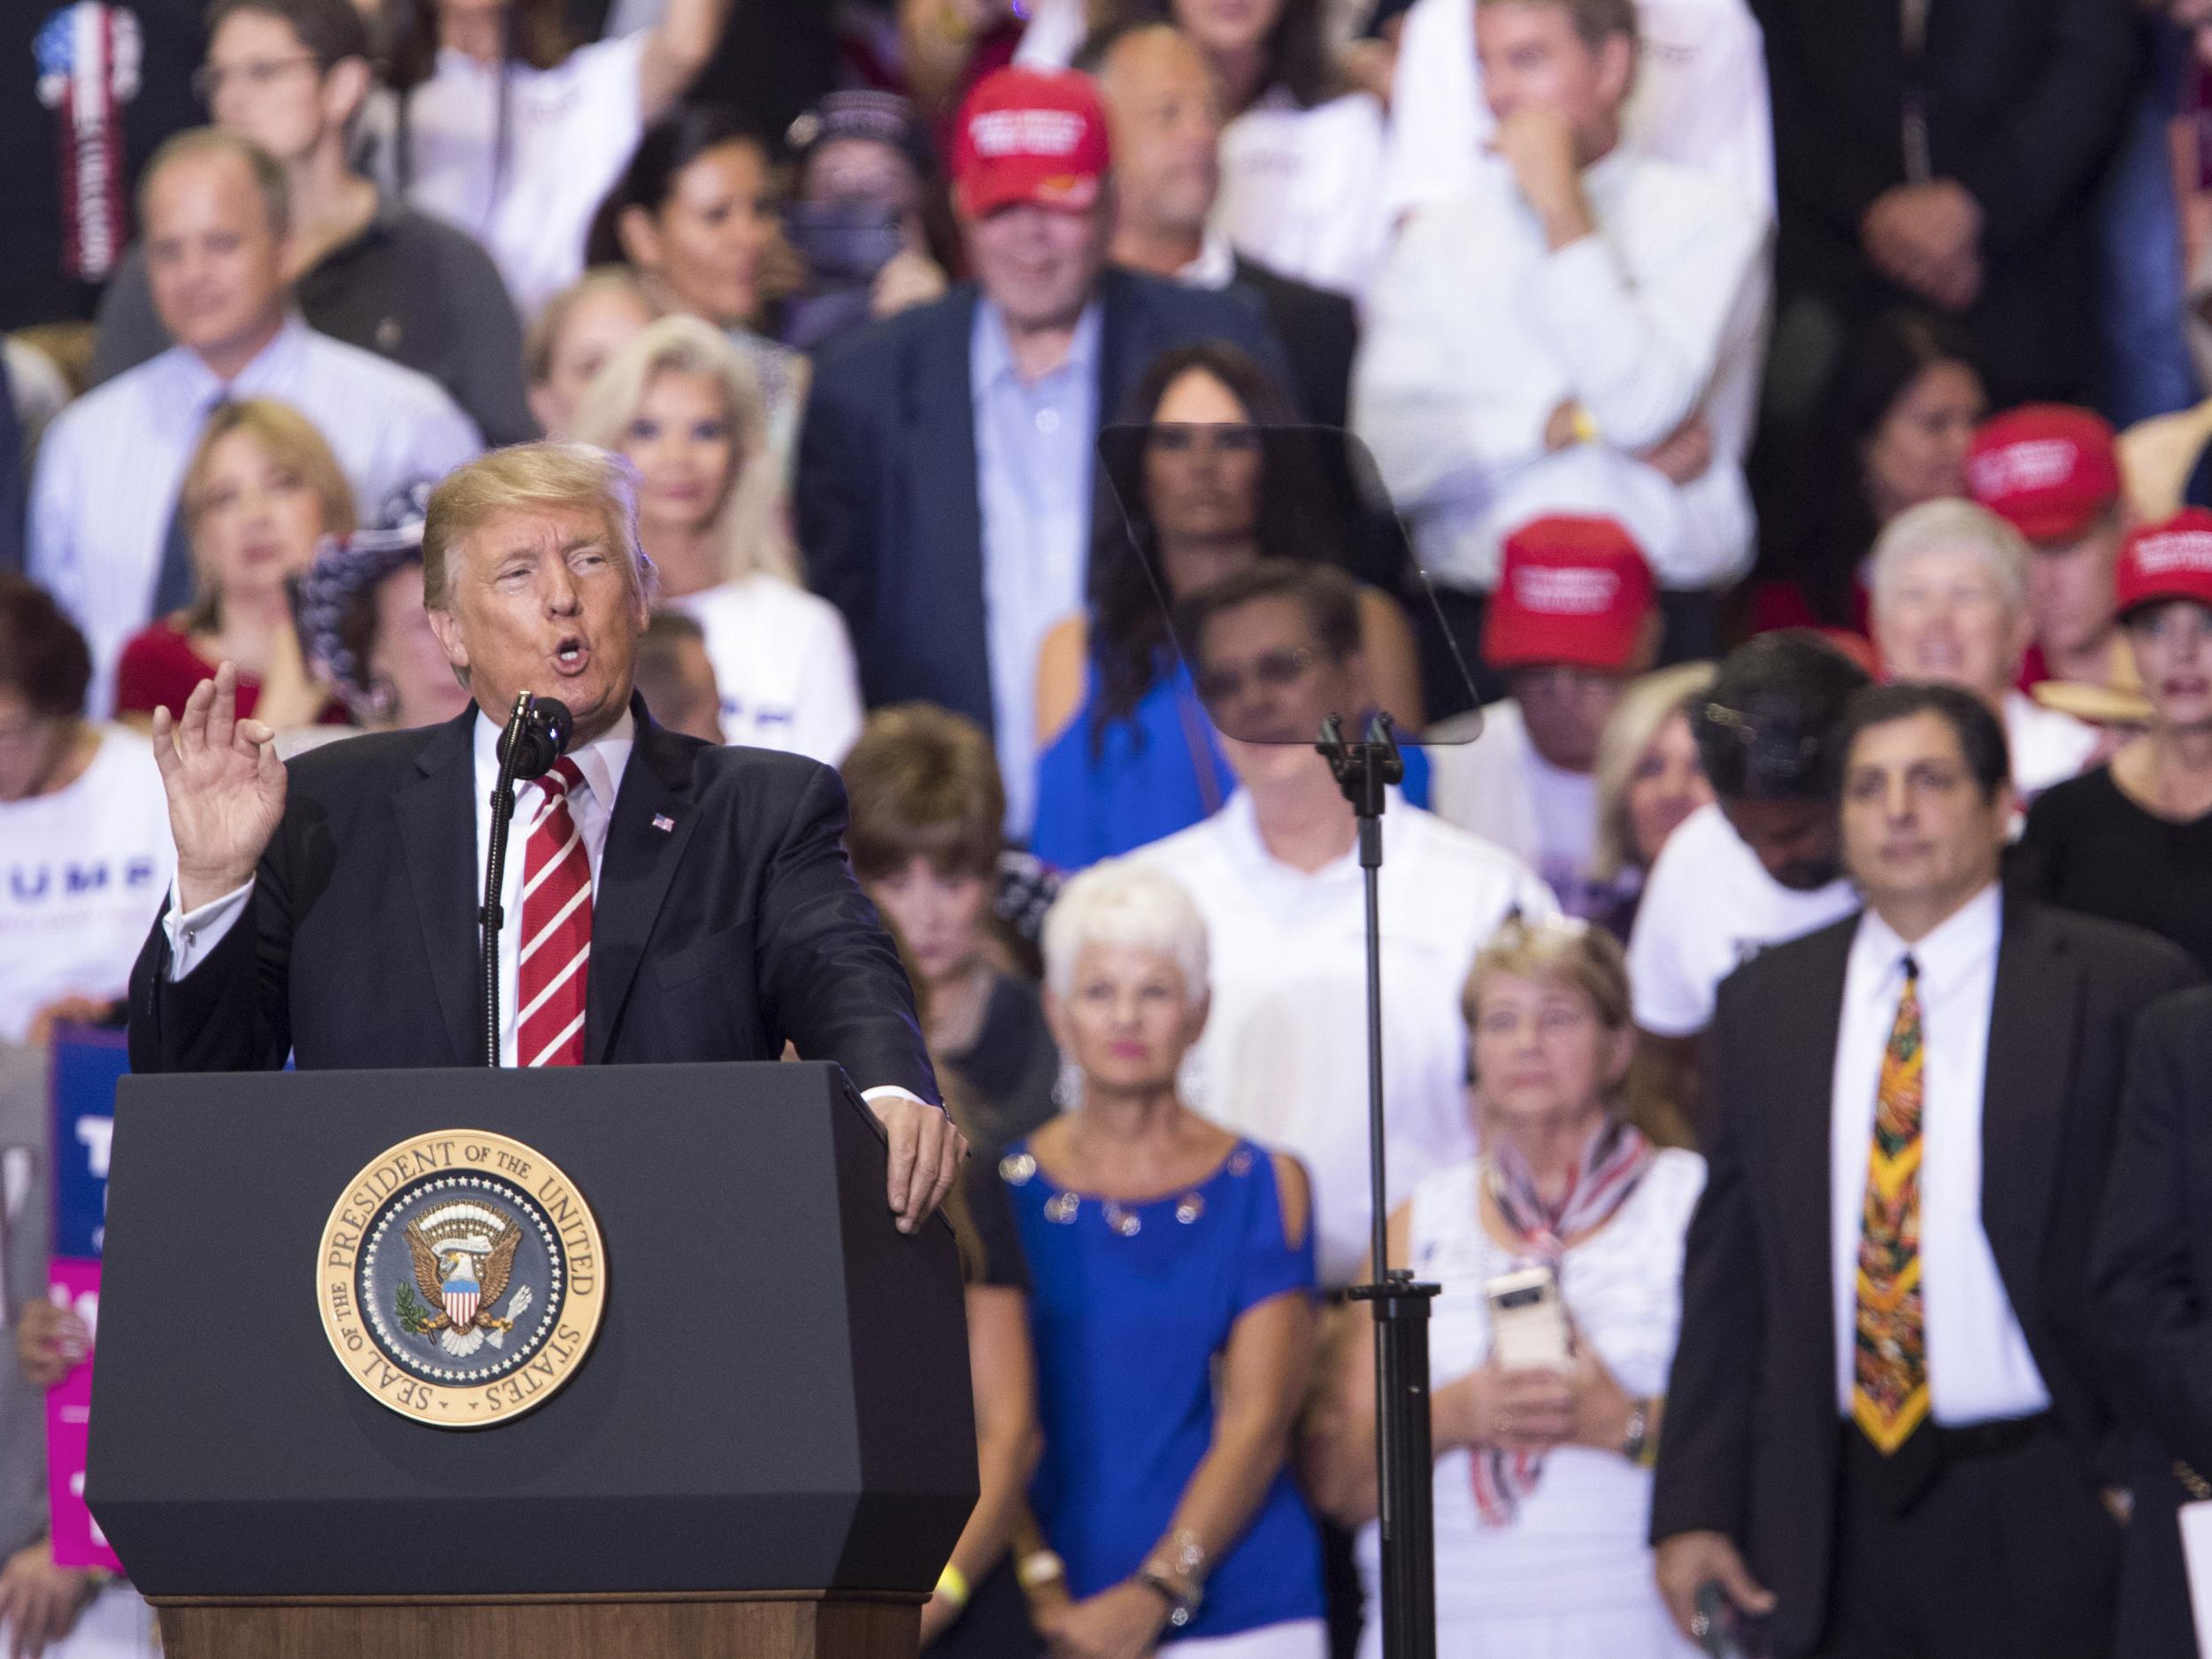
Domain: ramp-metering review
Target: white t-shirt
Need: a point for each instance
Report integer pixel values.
(1284, 1056)
(87, 868)
(1709, 907)
(1301, 189)
(1700, 100)
(571, 130)
(1499, 788)
(2047, 747)
(784, 664)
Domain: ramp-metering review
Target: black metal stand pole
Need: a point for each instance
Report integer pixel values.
(1404, 1460)
(495, 873)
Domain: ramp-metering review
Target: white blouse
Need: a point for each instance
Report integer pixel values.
(1577, 1543)
(571, 130)
(1301, 189)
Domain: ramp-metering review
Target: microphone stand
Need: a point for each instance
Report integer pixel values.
(1404, 1459)
(496, 867)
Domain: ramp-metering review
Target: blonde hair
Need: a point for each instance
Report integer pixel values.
(1644, 709)
(543, 340)
(1119, 901)
(547, 477)
(1562, 951)
(749, 525)
(290, 439)
(1947, 525)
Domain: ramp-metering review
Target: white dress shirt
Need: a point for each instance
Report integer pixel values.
(570, 132)
(112, 464)
(1700, 100)
(1476, 331)
(1979, 1368)
(1284, 1055)
(193, 935)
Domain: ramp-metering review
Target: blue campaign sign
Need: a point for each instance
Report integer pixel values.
(86, 1064)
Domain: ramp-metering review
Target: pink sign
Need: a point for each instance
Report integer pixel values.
(78, 1540)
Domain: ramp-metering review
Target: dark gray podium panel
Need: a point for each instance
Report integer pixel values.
(777, 1399)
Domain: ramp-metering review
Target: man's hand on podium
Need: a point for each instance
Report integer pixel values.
(926, 1152)
(225, 789)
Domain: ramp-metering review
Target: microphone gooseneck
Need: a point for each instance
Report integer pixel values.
(536, 733)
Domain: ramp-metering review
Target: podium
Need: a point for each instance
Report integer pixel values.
(767, 1448)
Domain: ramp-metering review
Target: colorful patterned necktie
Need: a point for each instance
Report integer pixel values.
(1889, 1377)
(554, 965)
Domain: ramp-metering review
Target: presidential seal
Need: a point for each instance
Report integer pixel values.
(461, 1279)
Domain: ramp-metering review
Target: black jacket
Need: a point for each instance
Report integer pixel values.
(2152, 1274)
(2024, 100)
(715, 939)
(1753, 1437)
(1319, 329)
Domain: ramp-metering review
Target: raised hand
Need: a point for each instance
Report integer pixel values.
(226, 789)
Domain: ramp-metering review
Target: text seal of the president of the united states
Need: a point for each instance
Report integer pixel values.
(461, 1278)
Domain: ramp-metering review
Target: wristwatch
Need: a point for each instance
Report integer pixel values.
(1636, 1445)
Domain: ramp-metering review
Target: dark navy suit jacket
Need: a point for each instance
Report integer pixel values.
(890, 512)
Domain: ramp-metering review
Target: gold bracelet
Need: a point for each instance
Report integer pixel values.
(952, 1584)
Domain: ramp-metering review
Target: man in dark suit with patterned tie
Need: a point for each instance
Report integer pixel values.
(1886, 1432)
(667, 900)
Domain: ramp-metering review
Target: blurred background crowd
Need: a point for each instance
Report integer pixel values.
(1758, 450)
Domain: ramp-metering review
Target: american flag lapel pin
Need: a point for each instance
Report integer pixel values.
(662, 821)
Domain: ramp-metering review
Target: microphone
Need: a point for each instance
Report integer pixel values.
(536, 733)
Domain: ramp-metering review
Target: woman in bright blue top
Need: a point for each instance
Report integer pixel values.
(1172, 1306)
(1222, 475)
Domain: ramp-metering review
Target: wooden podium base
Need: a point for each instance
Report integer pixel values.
(790, 1625)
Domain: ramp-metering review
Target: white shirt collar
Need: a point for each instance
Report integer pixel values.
(601, 761)
(1963, 942)
(1238, 825)
(1216, 267)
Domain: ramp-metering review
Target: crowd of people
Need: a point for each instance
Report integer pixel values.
(1755, 456)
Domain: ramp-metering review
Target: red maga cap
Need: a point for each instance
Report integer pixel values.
(1029, 136)
(2172, 560)
(2047, 469)
(1570, 590)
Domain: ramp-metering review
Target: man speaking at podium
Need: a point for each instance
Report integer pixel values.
(663, 899)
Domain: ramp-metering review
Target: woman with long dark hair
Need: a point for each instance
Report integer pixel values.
(1894, 433)
(503, 125)
(693, 215)
(1221, 477)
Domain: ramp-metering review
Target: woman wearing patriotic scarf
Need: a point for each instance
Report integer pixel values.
(1543, 1476)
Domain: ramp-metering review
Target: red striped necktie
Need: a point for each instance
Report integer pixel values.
(555, 963)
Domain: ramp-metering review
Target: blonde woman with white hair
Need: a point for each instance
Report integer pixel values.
(1172, 1273)
(683, 408)
(1951, 606)
(1543, 1465)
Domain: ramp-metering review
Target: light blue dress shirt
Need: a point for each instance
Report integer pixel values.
(1033, 466)
(111, 464)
